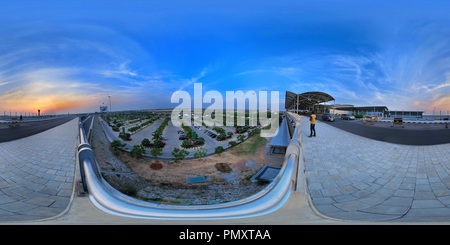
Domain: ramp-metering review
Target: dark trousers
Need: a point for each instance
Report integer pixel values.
(312, 127)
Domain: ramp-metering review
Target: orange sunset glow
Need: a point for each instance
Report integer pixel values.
(48, 104)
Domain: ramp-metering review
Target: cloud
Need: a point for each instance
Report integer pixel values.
(357, 56)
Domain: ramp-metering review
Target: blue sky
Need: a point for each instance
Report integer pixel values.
(69, 56)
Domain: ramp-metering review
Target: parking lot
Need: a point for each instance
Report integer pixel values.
(173, 138)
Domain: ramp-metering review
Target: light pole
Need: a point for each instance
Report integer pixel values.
(109, 103)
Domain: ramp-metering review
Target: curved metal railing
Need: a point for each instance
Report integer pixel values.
(110, 200)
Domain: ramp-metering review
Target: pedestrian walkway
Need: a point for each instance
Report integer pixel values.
(350, 177)
(37, 174)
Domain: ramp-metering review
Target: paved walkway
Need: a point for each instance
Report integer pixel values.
(351, 179)
(37, 174)
(355, 178)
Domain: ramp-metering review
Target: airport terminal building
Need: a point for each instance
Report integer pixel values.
(321, 102)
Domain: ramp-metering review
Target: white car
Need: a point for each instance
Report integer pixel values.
(348, 117)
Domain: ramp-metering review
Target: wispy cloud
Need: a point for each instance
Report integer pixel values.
(362, 57)
(190, 81)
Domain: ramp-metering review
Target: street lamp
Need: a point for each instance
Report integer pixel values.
(109, 103)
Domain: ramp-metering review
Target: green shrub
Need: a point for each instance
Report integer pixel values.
(199, 141)
(146, 142)
(221, 136)
(179, 155)
(241, 137)
(200, 153)
(186, 143)
(116, 146)
(125, 136)
(158, 143)
(156, 152)
(219, 150)
(138, 151)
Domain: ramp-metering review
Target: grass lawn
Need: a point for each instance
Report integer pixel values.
(249, 147)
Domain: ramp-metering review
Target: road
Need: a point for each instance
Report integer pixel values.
(410, 134)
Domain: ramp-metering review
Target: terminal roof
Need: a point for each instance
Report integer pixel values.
(305, 100)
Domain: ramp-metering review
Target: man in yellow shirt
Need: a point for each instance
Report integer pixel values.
(312, 126)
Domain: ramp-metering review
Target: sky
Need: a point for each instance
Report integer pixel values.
(74, 56)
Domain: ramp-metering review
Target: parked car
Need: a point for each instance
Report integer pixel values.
(369, 119)
(348, 117)
(328, 117)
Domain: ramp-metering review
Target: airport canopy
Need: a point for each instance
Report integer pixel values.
(305, 100)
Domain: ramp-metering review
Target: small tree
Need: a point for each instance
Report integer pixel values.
(146, 142)
(186, 143)
(232, 143)
(219, 150)
(221, 136)
(157, 135)
(138, 151)
(241, 137)
(125, 136)
(156, 152)
(229, 134)
(250, 133)
(158, 143)
(179, 155)
(200, 153)
(116, 146)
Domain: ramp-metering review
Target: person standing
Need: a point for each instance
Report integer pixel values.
(312, 124)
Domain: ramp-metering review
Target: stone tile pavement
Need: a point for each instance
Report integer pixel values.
(355, 178)
(37, 174)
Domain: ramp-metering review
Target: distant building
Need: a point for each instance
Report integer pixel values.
(380, 111)
(103, 108)
(417, 114)
(317, 101)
